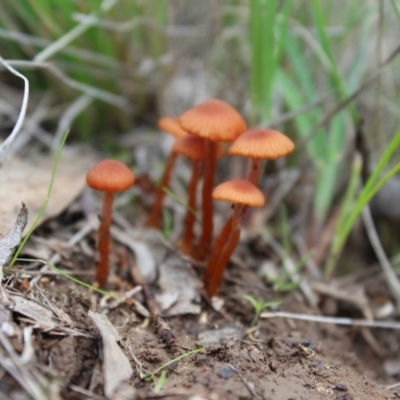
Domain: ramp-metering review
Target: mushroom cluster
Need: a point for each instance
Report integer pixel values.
(200, 133)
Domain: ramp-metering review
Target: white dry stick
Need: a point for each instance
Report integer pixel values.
(68, 117)
(82, 54)
(4, 146)
(75, 32)
(333, 320)
(391, 278)
(108, 97)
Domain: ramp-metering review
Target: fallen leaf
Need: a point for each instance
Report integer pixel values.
(179, 287)
(32, 309)
(116, 366)
(28, 181)
(12, 239)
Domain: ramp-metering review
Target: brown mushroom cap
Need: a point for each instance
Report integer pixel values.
(214, 120)
(172, 126)
(110, 176)
(239, 191)
(193, 147)
(261, 143)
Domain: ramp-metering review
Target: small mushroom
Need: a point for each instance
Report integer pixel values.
(109, 177)
(214, 121)
(171, 126)
(259, 144)
(193, 148)
(242, 194)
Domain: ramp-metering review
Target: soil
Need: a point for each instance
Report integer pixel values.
(276, 359)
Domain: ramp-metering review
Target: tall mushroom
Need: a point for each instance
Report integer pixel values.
(171, 126)
(109, 177)
(260, 144)
(214, 121)
(193, 148)
(241, 193)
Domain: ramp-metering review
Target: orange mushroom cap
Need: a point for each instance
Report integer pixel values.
(172, 126)
(239, 191)
(261, 143)
(110, 176)
(193, 147)
(214, 120)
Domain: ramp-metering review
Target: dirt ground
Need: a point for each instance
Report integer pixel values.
(275, 359)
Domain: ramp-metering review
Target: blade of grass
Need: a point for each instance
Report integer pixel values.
(71, 278)
(44, 206)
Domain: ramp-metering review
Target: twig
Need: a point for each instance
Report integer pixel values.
(247, 384)
(82, 54)
(327, 118)
(75, 32)
(22, 113)
(391, 278)
(333, 320)
(107, 97)
(68, 117)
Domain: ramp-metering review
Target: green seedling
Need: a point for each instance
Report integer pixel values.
(259, 306)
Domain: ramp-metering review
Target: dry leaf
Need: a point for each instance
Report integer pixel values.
(179, 286)
(33, 310)
(116, 366)
(28, 181)
(12, 239)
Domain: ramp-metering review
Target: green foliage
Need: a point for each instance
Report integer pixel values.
(102, 54)
(354, 203)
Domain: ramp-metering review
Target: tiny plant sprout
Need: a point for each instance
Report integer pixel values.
(259, 306)
(109, 177)
(214, 121)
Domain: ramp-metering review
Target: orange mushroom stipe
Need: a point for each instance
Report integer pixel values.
(214, 121)
(109, 177)
(260, 144)
(242, 194)
(193, 148)
(171, 126)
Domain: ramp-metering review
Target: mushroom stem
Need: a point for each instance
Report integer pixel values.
(186, 245)
(155, 214)
(104, 239)
(255, 170)
(203, 248)
(223, 248)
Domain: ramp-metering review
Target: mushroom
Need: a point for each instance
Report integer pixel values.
(108, 176)
(214, 121)
(192, 147)
(242, 194)
(260, 144)
(171, 126)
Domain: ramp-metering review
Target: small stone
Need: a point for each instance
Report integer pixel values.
(225, 372)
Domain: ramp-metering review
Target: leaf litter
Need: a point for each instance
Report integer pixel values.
(52, 322)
